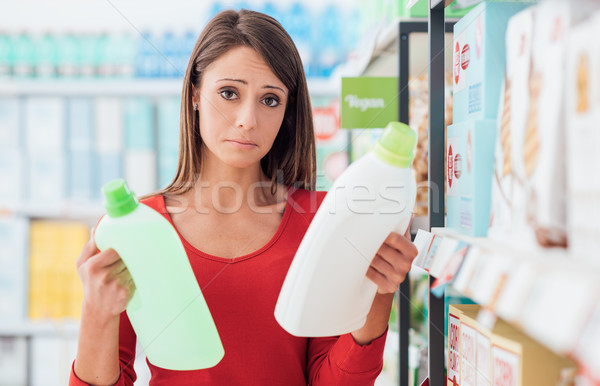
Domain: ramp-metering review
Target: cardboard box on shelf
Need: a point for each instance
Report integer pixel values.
(530, 182)
(10, 122)
(13, 360)
(45, 127)
(13, 268)
(508, 194)
(140, 171)
(12, 175)
(470, 166)
(583, 115)
(47, 177)
(108, 122)
(55, 291)
(503, 356)
(479, 59)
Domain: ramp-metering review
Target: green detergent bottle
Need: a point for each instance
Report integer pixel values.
(167, 311)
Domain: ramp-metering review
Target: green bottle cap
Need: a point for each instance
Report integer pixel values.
(118, 199)
(396, 146)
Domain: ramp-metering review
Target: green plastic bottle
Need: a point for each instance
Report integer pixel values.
(167, 311)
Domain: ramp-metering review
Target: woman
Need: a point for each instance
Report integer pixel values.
(242, 198)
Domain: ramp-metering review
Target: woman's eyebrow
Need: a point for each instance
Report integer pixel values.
(276, 87)
(242, 81)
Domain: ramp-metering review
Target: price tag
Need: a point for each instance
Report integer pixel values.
(423, 241)
(445, 250)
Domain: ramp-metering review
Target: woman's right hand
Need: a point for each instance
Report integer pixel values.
(107, 284)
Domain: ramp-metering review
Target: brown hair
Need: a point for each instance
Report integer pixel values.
(292, 159)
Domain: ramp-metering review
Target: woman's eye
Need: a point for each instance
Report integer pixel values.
(227, 94)
(271, 102)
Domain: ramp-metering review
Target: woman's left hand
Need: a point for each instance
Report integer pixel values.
(388, 269)
(392, 262)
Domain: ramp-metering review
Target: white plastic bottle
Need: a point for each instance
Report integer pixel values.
(167, 310)
(326, 292)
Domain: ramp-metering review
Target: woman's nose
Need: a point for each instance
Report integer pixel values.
(246, 117)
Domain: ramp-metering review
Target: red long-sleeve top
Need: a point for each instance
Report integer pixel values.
(241, 294)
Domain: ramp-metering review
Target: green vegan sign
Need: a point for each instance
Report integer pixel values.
(369, 102)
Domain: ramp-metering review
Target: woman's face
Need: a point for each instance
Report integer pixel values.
(241, 105)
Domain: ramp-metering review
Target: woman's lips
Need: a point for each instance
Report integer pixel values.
(242, 143)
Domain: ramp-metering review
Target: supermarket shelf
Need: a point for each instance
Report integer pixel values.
(434, 3)
(547, 293)
(122, 87)
(65, 328)
(66, 211)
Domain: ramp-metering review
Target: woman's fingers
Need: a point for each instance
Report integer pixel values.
(392, 262)
(89, 250)
(381, 281)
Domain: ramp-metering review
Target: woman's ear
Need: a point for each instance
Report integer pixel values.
(194, 95)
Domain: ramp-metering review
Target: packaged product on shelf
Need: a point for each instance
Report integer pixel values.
(24, 55)
(12, 170)
(81, 157)
(147, 59)
(544, 138)
(111, 165)
(479, 59)
(13, 360)
(470, 166)
(55, 291)
(49, 357)
(45, 124)
(13, 268)
(46, 177)
(508, 192)
(419, 120)
(502, 355)
(89, 55)
(583, 115)
(453, 353)
(168, 139)
(6, 55)
(332, 146)
(69, 55)
(108, 121)
(140, 155)
(140, 170)
(47, 56)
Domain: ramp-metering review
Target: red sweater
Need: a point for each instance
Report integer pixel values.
(241, 294)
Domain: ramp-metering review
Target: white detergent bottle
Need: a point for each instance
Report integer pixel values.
(326, 292)
(167, 310)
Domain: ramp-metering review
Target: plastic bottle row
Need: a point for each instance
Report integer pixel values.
(163, 53)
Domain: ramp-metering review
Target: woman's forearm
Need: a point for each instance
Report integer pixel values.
(97, 359)
(377, 319)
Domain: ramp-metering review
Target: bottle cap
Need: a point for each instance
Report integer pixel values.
(396, 146)
(118, 199)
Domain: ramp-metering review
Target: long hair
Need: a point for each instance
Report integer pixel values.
(292, 158)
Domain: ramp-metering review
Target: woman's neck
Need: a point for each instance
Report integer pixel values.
(227, 190)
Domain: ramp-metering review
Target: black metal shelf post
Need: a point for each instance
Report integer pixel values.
(436, 177)
(405, 28)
